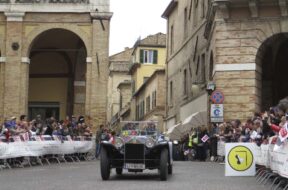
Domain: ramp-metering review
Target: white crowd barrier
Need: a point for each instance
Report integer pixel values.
(18, 146)
(273, 156)
(221, 148)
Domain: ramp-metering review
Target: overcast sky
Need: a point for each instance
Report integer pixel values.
(134, 18)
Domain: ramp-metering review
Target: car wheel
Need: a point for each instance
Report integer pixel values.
(119, 171)
(170, 169)
(105, 165)
(164, 165)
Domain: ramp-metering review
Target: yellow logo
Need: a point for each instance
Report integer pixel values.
(240, 158)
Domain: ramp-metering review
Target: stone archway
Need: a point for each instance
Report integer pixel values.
(37, 30)
(272, 56)
(57, 74)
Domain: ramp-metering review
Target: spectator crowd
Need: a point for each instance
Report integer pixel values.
(256, 129)
(70, 126)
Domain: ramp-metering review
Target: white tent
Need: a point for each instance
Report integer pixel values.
(193, 121)
(174, 132)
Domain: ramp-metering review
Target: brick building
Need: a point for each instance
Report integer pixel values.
(54, 58)
(240, 45)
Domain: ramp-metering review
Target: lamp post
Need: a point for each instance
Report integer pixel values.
(211, 86)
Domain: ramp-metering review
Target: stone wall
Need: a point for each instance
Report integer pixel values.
(236, 43)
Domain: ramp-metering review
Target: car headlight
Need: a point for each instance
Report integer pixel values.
(118, 142)
(150, 142)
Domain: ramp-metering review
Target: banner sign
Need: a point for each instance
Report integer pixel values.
(43, 145)
(274, 156)
(239, 159)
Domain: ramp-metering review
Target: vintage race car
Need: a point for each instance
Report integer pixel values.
(139, 146)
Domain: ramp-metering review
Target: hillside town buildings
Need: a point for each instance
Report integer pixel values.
(147, 85)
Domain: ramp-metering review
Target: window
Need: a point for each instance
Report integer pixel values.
(148, 56)
(171, 92)
(184, 82)
(137, 112)
(190, 9)
(211, 65)
(154, 99)
(202, 9)
(142, 109)
(197, 66)
(121, 101)
(148, 104)
(203, 75)
(172, 40)
(133, 86)
(185, 23)
(195, 12)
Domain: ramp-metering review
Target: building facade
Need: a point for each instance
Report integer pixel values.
(248, 40)
(149, 54)
(118, 73)
(187, 71)
(240, 43)
(150, 99)
(54, 58)
(147, 84)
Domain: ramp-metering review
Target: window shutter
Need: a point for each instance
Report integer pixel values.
(141, 56)
(155, 56)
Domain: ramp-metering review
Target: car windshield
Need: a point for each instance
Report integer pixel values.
(134, 128)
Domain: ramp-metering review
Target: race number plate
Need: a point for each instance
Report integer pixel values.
(134, 166)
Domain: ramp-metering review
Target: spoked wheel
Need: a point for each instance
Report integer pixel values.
(105, 165)
(119, 171)
(163, 165)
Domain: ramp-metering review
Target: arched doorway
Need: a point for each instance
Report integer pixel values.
(272, 57)
(57, 75)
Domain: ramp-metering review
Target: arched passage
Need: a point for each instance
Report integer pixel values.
(272, 57)
(57, 74)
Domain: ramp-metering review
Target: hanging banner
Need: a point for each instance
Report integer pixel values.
(240, 159)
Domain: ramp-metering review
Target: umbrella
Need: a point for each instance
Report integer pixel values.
(174, 132)
(195, 120)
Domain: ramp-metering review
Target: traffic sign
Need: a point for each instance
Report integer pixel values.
(217, 97)
(217, 113)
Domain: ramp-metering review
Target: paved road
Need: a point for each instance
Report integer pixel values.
(86, 176)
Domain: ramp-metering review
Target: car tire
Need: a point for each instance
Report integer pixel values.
(119, 171)
(164, 165)
(105, 165)
(170, 169)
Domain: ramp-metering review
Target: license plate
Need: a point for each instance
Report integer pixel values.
(134, 166)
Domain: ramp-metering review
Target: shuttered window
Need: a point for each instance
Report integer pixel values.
(148, 56)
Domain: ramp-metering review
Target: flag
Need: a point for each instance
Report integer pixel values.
(204, 138)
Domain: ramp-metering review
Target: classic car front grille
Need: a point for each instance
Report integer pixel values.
(134, 152)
